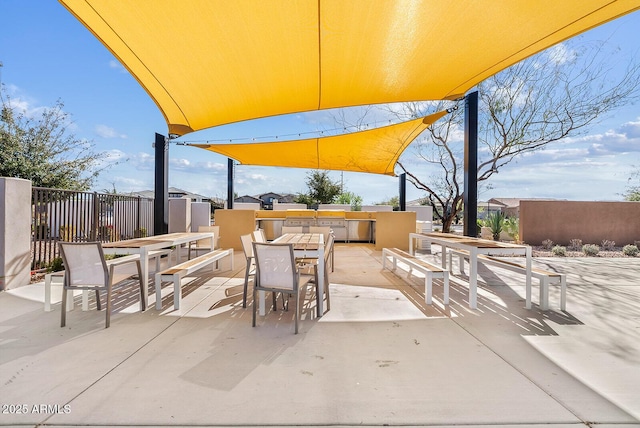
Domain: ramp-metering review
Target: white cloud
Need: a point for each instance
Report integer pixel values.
(560, 54)
(114, 64)
(179, 163)
(105, 131)
(631, 129)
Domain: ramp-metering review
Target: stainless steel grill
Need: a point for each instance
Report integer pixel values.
(331, 218)
(299, 221)
(300, 218)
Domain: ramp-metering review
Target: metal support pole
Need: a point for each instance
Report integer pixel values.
(470, 198)
(161, 186)
(230, 174)
(403, 191)
(96, 217)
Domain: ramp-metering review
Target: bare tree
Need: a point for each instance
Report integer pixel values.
(633, 189)
(553, 95)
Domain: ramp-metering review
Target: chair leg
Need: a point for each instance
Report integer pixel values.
(297, 312)
(63, 317)
(332, 259)
(246, 285)
(326, 290)
(318, 296)
(143, 302)
(98, 305)
(108, 318)
(253, 305)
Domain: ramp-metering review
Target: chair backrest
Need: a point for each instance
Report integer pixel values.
(259, 236)
(328, 246)
(84, 264)
(275, 266)
(247, 242)
(291, 229)
(325, 230)
(205, 242)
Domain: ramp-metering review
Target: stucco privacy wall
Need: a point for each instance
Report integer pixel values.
(15, 232)
(592, 222)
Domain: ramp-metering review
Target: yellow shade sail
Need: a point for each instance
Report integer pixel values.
(374, 151)
(212, 62)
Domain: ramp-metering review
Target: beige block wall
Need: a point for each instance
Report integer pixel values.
(233, 224)
(393, 229)
(590, 221)
(15, 232)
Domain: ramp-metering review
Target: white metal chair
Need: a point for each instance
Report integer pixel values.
(204, 245)
(326, 232)
(276, 271)
(291, 229)
(250, 270)
(311, 267)
(259, 236)
(86, 269)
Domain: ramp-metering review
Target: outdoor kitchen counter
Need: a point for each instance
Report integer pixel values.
(348, 226)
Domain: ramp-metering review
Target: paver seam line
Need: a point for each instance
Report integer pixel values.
(44, 422)
(338, 425)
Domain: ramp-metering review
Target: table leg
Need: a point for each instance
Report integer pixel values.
(443, 262)
(528, 292)
(411, 244)
(321, 270)
(144, 267)
(261, 305)
(473, 278)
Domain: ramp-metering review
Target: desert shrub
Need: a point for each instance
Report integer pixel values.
(547, 244)
(512, 227)
(630, 250)
(636, 243)
(559, 250)
(590, 249)
(495, 221)
(575, 244)
(608, 245)
(56, 265)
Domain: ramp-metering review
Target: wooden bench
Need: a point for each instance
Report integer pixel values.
(175, 273)
(545, 277)
(59, 277)
(429, 270)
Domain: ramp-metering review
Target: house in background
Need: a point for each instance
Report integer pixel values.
(266, 199)
(174, 192)
(509, 206)
(248, 199)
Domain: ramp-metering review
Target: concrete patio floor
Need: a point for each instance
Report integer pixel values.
(379, 357)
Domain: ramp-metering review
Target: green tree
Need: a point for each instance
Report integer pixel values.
(350, 198)
(394, 201)
(322, 190)
(633, 189)
(42, 150)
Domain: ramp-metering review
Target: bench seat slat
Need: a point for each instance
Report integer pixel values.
(408, 257)
(430, 270)
(176, 272)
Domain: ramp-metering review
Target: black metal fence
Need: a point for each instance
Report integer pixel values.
(66, 215)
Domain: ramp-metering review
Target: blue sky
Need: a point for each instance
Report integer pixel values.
(48, 55)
